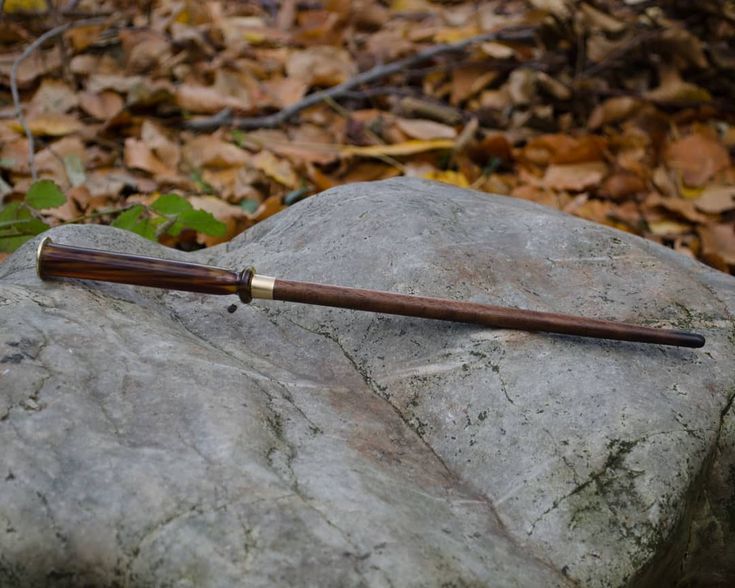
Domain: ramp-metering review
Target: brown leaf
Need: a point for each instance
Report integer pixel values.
(425, 129)
(55, 97)
(302, 147)
(682, 208)
(673, 89)
(279, 170)
(575, 177)
(37, 64)
(697, 158)
(716, 199)
(285, 92)
(102, 106)
(613, 110)
(53, 125)
(718, 242)
(139, 156)
(211, 151)
(622, 185)
(564, 149)
(602, 20)
(521, 86)
(160, 145)
(320, 66)
(206, 100)
(82, 37)
(468, 81)
(144, 49)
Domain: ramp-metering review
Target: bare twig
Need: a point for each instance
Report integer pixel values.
(27, 52)
(376, 73)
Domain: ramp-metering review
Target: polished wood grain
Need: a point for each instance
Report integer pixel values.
(65, 261)
(481, 314)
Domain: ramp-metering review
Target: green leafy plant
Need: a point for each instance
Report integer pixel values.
(169, 214)
(20, 221)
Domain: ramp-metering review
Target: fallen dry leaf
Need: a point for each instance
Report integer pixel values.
(405, 148)
(575, 177)
(716, 199)
(206, 100)
(279, 170)
(53, 96)
(211, 151)
(697, 158)
(139, 156)
(668, 228)
(673, 89)
(103, 105)
(160, 145)
(320, 66)
(613, 110)
(622, 185)
(650, 82)
(718, 242)
(425, 129)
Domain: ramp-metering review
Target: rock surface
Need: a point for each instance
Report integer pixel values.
(153, 438)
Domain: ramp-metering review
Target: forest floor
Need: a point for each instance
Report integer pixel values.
(621, 112)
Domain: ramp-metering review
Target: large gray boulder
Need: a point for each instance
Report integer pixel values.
(152, 438)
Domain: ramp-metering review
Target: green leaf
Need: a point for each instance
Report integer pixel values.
(203, 222)
(9, 243)
(171, 204)
(10, 212)
(175, 229)
(129, 218)
(18, 225)
(145, 228)
(44, 194)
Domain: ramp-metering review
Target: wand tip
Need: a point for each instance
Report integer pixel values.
(691, 340)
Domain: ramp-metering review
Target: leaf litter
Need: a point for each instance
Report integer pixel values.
(617, 111)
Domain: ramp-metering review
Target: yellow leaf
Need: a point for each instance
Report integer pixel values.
(691, 193)
(11, 6)
(405, 148)
(453, 35)
(448, 177)
(668, 228)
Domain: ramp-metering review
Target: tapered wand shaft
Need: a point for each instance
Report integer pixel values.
(63, 261)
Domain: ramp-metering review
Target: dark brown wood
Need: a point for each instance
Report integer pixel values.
(65, 261)
(481, 314)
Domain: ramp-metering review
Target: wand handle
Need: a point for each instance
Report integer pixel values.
(64, 261)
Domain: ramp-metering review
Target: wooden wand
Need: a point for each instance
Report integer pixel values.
(64, 261)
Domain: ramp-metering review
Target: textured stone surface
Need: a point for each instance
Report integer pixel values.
(153, 438)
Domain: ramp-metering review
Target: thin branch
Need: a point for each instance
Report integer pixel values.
(50, 34)
(376, 73)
